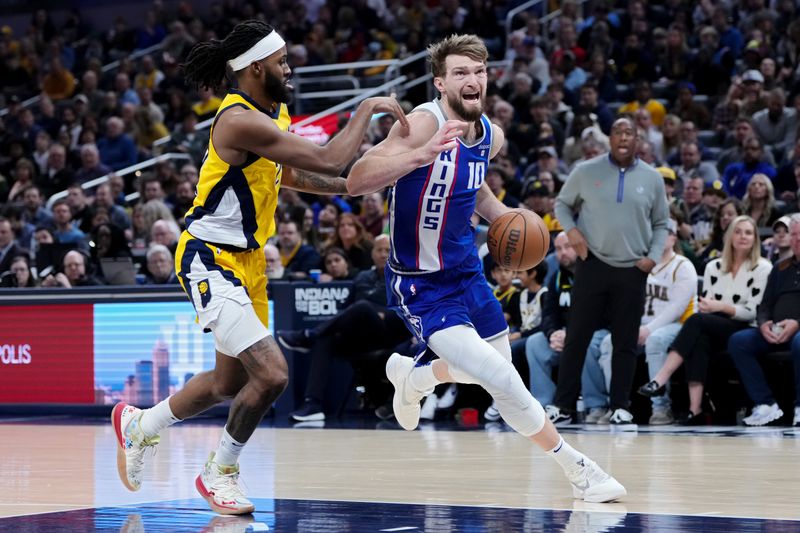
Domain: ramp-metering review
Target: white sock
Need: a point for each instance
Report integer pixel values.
(422, 378)
(229, 450)
(157, 418)
(568, 457)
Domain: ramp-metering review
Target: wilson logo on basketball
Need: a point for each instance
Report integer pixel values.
(15, 354)
(518, 240)
(512, 245)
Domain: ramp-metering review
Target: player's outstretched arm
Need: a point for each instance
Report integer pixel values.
(401, 152)
(256, 133)
(305, 181)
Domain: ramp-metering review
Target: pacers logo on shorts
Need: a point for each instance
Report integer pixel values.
(205, 292)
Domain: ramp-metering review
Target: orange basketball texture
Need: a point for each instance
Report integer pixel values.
(518, 240)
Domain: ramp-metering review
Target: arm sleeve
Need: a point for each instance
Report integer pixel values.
(764, 312)
(659, 216)
(568, 199)
(746, 309)
(681, 293)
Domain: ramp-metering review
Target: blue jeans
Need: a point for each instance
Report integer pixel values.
(542, 358)
(745, 347)
(655, 348)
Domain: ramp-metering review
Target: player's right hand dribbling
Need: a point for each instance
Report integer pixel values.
(445, 139)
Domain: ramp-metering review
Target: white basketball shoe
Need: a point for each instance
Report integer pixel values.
(406, 399)
(591, 484)
(131, 444)
(219, 486)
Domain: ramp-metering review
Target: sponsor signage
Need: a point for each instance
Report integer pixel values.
(46, 354)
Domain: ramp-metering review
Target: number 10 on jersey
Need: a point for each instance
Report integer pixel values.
(477, 172)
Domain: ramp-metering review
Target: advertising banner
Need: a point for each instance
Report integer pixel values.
(46, 354)
(143, 352)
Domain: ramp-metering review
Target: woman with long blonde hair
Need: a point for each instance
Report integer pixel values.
(759, 201)
(733, 286)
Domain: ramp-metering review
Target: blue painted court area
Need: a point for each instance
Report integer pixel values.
(337, 516)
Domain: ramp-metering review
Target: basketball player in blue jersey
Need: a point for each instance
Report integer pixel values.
(434, 277)
(219, 259)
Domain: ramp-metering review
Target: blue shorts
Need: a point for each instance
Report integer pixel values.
(459, 296)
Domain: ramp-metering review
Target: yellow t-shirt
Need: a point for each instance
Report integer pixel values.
(657, 111)
(207, 108)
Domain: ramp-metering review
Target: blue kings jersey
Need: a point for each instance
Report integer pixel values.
(430, 207)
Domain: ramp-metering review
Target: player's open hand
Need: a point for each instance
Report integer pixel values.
(445, 138)
(388, 104)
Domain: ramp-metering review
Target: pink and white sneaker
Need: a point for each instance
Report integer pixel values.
(131, 444)
(219, 486)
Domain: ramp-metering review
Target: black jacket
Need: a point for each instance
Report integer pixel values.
(306, 258)
(557, 301)
(370, 285)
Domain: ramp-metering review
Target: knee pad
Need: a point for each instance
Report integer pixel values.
(467, 354)
(236, 328)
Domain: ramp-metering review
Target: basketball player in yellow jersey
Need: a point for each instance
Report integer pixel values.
(219, 259)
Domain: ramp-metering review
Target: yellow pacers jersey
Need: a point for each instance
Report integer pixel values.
(235, 205)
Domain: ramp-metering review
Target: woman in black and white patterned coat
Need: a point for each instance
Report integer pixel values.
(733, 286)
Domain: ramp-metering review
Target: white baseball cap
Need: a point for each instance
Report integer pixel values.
(753, 75)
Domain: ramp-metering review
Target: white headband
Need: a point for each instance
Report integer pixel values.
(263, 48)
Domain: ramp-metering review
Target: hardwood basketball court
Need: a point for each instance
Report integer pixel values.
(61, 475)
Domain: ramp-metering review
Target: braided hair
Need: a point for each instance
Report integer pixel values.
(207, 63)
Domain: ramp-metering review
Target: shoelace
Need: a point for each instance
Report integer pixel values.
(142, 444)
(227, 486)
(589, 474)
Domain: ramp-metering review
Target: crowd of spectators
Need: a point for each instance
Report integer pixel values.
(713, 87)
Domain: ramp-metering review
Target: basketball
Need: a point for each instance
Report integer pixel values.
(518, 240)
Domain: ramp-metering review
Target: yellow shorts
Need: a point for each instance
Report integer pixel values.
(210, 276)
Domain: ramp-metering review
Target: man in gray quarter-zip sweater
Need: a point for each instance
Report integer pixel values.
(614, 210)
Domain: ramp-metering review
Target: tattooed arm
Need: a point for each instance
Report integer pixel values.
(304, 181)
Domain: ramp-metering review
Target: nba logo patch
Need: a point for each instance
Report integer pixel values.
(413, 289)
(205, 293)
